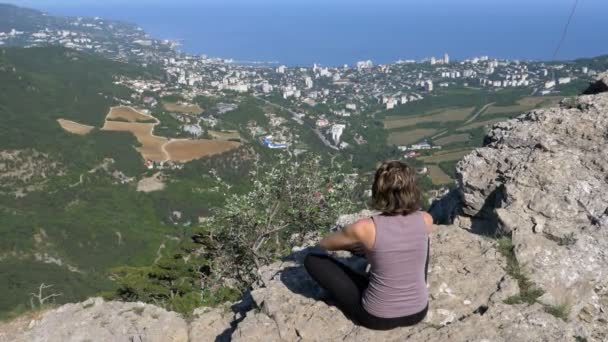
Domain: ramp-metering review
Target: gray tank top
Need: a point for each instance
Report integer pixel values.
(397, 284)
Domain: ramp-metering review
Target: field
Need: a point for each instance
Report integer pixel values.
(152, 147)
(187, 150)
(452, 139)
(225, 135)
(445, 156)
(128, 113)
(443, 115)
(409, 137)
(75, 127)
(524, 104)
(184, 108)
(438, 176)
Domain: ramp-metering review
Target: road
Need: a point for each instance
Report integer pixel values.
(295, 117)
(474, 117)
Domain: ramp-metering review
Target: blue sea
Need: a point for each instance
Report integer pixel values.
(302, 32)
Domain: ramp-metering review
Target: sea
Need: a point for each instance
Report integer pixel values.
(337, 32)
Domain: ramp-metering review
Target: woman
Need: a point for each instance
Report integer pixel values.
(396, 244)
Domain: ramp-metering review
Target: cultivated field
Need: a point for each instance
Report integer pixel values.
(444, 115)
(445, 156)
(409, 137)
(452, 139)
(187, 150)
(160, 149)
(75, 127)
(184, 108)
(127, 113)
(525, 104)
(151, 146)
(438, 177)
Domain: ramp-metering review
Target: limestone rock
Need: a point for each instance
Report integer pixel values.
(97, 320)
(543, 177)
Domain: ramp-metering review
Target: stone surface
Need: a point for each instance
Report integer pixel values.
(543, 178)
(96, 320)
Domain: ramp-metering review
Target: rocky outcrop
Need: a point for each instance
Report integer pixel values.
(543, 179)
(541, 182)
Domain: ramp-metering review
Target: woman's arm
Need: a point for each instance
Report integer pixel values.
(428, 219)
(349, 238)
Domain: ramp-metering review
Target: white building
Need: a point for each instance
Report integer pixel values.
(308, 82)
(281, 69)
(368, 64)
(446, 58)
(549, 84)
(428, 86)
(564, 80)
(351, 106)
(336, 132)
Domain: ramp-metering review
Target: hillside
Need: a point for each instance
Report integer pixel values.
(520, 262)
(69, 203)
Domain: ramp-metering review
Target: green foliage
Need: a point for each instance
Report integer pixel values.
(528, 292)
(289, 200)
(561, 311)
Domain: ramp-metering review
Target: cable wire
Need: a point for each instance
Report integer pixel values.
(565, 33)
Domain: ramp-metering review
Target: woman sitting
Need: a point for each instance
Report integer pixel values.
(396, 244)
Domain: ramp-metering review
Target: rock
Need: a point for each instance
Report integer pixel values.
(211, 324)
(543, 178)
(97, 320)
(600, 86)
(464, 268)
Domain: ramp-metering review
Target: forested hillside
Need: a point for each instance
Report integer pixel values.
(68, 212)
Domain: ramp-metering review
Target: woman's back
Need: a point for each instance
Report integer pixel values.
(398, 261)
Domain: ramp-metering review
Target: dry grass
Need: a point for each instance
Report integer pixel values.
(444, 115)
(452, 139)
(480, 124)
(187, 150)
(151, 146)
(184, 108)
(438, 177)
(128, 113)
(409, 137)
(525, 104)
(75, 127)
(445, 156)
(225, 135)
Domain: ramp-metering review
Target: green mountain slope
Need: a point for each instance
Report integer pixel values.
(59, 223)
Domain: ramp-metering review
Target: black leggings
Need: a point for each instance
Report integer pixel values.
(346, 288)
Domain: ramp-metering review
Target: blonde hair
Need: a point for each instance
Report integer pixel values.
(395, 191)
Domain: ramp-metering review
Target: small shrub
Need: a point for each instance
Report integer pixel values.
(561, 311)
(528, 292)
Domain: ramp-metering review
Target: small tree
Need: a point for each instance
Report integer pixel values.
(40, 297)
(293, 198)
